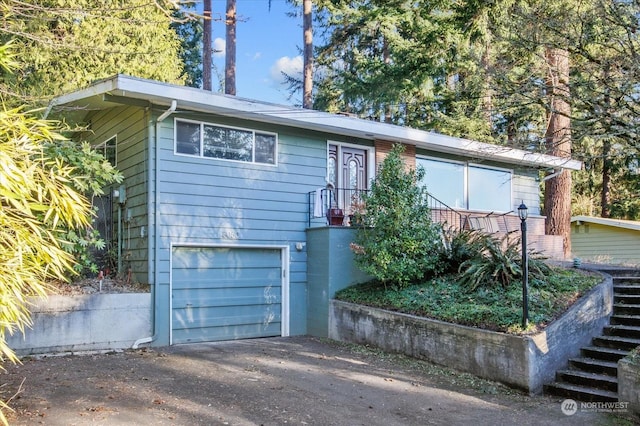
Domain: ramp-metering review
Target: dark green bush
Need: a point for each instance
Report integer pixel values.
(399, 244)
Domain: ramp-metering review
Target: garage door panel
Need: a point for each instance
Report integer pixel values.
(211, 334)
(218, 316)
(228, 300)
(211, 278)
(220, 257)
(225, 293)
(227, 296)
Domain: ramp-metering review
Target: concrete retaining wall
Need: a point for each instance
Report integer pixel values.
(629, 385)
(85, 322)
(526, 362)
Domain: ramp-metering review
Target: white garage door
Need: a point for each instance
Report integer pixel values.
(225, 293)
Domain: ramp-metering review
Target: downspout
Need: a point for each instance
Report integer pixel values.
(152, 267)
(552, 175)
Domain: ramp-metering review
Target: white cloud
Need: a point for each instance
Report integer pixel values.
(289, 66)
(219, 47)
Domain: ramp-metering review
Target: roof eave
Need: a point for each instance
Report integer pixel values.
(625, 224)
(162, 94)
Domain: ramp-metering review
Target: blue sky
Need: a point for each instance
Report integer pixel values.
(267, 43)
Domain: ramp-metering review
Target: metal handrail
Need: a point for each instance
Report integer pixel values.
(349, 199)
(442, 213)
(345, 199)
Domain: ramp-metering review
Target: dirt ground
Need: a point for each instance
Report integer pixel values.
(298, 381)
(95, 285)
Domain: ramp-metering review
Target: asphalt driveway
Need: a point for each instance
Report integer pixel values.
(296, 381)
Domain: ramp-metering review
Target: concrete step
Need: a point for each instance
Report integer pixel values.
(623, 274)
(580, 393)
(616, 342)
(630, 320)
(604, 354)
(626, 289)
(587, 379)
(626, 309)
(594, 365)
(626, 299)
(628, 331)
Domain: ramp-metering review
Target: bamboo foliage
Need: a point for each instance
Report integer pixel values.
(37, 202)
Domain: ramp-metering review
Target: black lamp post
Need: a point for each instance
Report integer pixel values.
(523, 213)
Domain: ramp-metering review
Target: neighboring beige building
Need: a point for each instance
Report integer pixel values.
(596, 239)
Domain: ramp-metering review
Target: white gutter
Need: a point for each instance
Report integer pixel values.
(153, 177)
(553, 175)
(172, 108)
(207, 102)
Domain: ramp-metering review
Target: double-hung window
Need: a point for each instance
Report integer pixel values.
(224, 142)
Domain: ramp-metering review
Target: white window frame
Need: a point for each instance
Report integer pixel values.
(466, 165)
(371, 159)
(243, 129)
(102, 147)
(497, 169)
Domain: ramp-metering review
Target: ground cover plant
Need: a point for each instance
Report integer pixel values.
(462, 276)
(498, 308)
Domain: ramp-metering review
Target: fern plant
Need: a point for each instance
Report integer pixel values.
(499, 263)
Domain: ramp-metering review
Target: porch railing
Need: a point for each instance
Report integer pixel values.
(323, 203)
(327, 204)
(447, 216)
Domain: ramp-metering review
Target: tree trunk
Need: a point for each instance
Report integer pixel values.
(307, 90)
(607, 166)
(230, 49)
(557, 194)
(206, 46)
(605, 196)
(487, 95)
(386, 56)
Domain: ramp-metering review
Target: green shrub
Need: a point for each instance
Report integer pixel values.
(90, 174)
(500, 309)
(460, 246)
(499, 263)
(399, 244)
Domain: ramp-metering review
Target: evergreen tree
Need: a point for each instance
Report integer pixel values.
(481, 70)
(67, 44)
(189, 30)
(400, 244)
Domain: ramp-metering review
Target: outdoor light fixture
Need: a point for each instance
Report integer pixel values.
(523, 213)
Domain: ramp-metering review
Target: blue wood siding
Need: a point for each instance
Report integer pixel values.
(129, 125)
(206, 201)
(216, 202)
(225, 293)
